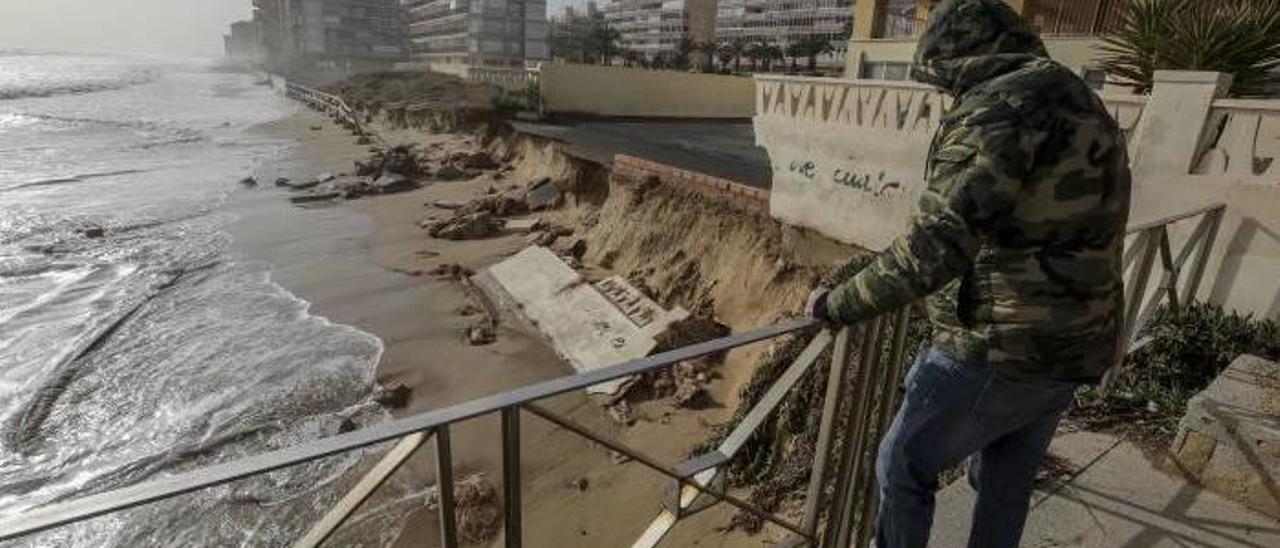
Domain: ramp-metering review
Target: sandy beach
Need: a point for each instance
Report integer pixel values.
(360, 263)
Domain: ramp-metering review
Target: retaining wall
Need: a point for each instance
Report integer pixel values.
(620, 91)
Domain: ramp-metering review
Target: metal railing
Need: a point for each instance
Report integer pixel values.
(332, 105)
(698, 482)
(1073, 17)
(1180, 273)
(861, 395)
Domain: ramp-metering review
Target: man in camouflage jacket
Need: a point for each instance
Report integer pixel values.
(1017, 242)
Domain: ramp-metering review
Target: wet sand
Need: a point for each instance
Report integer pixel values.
(352, 262)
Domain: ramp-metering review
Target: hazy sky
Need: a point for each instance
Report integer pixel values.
(180, 27)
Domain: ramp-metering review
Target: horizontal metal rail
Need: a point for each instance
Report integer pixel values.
(143, 493)
(1181, 273)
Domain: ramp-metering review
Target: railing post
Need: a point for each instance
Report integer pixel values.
(831, 404)
(840, 526)
(888, 407)
(511, 476)
(1214, 218)
(444, 484)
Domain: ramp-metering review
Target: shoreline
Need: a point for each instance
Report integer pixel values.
(365, 282)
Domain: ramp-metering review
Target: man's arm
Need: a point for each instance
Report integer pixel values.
(977, 176)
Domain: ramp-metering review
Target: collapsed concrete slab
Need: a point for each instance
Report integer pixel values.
(1229, 439)
(590, 326)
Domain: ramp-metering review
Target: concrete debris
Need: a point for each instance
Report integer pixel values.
(521, 225)
(447, 204)
(577, 249)
(326, 177)
(391, 183)
(395, 396)
(621, 413)
(477, 160)
(475, 507)
(580, 484)
(451, 271)
(450, 172)
(402, 159)
(466, 227)
(481, 334)
(302, 185)
(543, 195)
(315, 197)
(618, 458)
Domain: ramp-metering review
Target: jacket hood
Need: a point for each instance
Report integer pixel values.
(970, 41)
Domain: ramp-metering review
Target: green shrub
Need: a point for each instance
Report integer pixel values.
(1187, 349)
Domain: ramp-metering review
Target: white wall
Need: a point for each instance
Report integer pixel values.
(848, 161)
(621, 91)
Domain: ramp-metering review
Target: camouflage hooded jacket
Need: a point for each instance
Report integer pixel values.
(1019, 235)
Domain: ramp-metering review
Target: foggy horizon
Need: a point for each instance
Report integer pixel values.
(158, 27)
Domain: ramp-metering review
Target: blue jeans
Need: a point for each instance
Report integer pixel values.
(953, 411)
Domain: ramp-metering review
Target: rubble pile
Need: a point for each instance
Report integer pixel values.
(475, 506)
(484, 215)
(404, 160)
(685, 383)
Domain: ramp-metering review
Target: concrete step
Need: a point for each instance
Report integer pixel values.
(1117, 499)
(1229, 439)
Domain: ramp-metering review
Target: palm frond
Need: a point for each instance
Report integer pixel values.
(1240, 37)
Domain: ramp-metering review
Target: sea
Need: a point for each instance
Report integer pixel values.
(134, 345)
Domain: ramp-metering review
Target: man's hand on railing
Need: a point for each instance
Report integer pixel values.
(816, 306)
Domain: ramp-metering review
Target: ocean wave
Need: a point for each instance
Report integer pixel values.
(73, 179)
(52, 89)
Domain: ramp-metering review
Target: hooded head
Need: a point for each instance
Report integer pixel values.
(970, 41)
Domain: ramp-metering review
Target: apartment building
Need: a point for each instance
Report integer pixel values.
(243, 43)
(655, 28)
(454, 34)
(783, 22)
(331, 35)
(885, 33)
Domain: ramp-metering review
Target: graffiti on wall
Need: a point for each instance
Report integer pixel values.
(876, 184)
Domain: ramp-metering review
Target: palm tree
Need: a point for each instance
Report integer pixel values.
(733, 50)
(706, 52)
(684, 48)
(795, 50)
(756, 53)
(812, 46)
(770, 53)
(605, 41)
(1240, 37)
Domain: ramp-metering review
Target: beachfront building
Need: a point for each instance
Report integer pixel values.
(785, 22)
(656, 29)
(242, 44)
(575, 32)
(452, 35)
(331, 36)
(885, 31)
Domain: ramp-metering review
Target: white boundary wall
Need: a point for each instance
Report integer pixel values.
(622, 91)
(849, 156)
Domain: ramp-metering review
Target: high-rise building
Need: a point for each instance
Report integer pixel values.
(573, 33)
(332, 35)
(657, 28)
(783, 22)
(243, 43)
(454, 34)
